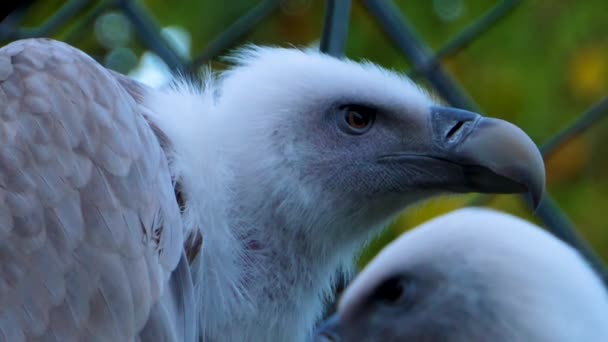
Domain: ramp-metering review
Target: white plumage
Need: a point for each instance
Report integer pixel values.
(474, 275)
(284, 166)
(215, 137)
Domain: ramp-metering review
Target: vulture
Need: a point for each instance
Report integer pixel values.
(219, 209)
(473, 275)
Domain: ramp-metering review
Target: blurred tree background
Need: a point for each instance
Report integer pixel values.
(539, 67)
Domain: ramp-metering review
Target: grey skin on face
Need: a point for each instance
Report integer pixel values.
(478, 154)
(473, 275)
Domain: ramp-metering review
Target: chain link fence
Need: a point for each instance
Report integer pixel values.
(427, 64)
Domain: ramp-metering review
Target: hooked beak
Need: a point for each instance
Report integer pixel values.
(471, 153)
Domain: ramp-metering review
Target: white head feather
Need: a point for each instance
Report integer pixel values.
(479, 275)
(209, 126)
(278, 192)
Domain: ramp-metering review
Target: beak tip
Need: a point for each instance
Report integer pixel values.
(536, 187)
(512, 154)
(535, 198)
(535, 195)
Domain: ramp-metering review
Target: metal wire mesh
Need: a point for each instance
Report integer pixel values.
(426, 64)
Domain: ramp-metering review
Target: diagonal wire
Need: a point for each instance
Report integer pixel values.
(598, 111)
(80, 28)
(471, 32)
(13, 14)
(403, 35)
(235, 32)
(60, 17)
(149, 33)
(561, 226)
(477, 28)
(335, 27)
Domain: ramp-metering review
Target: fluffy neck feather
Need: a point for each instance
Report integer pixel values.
(258, 274)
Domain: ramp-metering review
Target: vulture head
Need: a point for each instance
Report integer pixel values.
(289, 161)
(473, 275)
(357, 143)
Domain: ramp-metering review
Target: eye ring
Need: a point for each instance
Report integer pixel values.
(356, 119)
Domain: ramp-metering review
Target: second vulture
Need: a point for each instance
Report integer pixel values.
(473, 275)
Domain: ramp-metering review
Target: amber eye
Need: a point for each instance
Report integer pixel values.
(357, 119)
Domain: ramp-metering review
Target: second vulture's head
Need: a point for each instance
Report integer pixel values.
(473, 275)
(359, 142)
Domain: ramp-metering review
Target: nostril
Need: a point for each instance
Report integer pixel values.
(450, 126)
(454, 130)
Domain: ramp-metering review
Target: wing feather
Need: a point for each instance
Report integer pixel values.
(90, 231)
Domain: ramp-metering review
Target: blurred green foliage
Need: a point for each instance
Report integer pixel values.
(539, 67)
